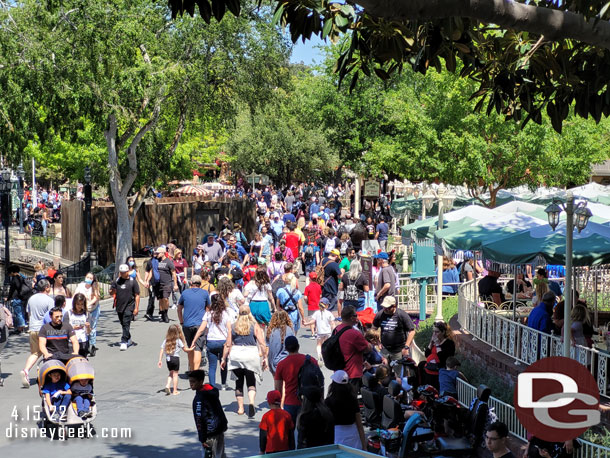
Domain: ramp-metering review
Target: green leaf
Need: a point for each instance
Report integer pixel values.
(341, 21)
(328, 25)
(277, 16)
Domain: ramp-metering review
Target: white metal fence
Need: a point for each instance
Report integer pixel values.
(506, 413)
(522, 343)
(408, 294)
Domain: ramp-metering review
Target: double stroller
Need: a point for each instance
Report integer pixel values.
(77, 368)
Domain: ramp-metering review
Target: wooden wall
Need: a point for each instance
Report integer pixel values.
(73, 242)
(187, 219)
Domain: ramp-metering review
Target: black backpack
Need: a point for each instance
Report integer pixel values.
(331, 351)
(351, 290)
(309, 375)
(291, 304)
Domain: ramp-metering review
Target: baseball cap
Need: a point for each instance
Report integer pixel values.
(313, 275)
(274, 397)
(388, 301)
(335, 252)
(125, 268)
(196, 279)
(340, 377)
(325, 301)
(262, 261)
(160, 250)
(468, 255)
(382, 255)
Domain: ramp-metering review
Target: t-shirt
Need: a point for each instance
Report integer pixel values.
(212, 252)
(218, 331)
(78, 321)
(489, 285)
(324, 320)
(344, 413)
(51, 388)
(387, 275)
(252, 292)
(58, 337)
(166, 267)
(394, 329)
(179, 346)
(275, 269)
(383, 230)
(332, 272)
(194, 301)
(288, 371)
(313, 291)
(360, 283)
(353, 344)
(38, 305)
(180, 265)
(292, 241)
(279, 426)
(125, 293)
(447, 380)
(345, 263)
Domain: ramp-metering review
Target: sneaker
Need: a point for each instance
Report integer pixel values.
(82, 413)
(130, 343)
(25, 379)
(123, 346)
(92, 351)
(251, 411)
(1, 382)
(88, 414)
(148, 317)
(174, 307)
(224, 387)
(313, 337)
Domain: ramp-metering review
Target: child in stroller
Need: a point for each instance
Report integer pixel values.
(57, 393)
(82, 394)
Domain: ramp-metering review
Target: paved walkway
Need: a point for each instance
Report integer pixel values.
(127, 388)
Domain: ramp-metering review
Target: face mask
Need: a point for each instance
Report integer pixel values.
(88, 281)
(131, 263)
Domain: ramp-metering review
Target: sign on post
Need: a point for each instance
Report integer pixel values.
(371, 189)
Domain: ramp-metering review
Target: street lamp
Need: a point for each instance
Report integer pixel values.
(88, 201)
(5, 195)
(20, 176)
(576, 215)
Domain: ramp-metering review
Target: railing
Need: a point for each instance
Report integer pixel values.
(78, 269)
(506, 414)
(522, 343)
(408, 295)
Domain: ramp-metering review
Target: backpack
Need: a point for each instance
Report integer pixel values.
(329, 245)
(8, 316)
(25, 290)
(351, 291)
(292, 307)
(156, 277)
(331, 351)
(309, 375)
(309, 253)
(320, 272)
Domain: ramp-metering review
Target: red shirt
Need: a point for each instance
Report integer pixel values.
(288, 371)
(278, 424)
(313, 291)
(352, 344)
(293, 240)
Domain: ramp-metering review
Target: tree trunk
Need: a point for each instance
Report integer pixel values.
(124, 233)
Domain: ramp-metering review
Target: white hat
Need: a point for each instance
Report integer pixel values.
(160, 250)
(123, 268)
(388, 301)
(340, 377)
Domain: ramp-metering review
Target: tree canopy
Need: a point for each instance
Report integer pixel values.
(527, 57)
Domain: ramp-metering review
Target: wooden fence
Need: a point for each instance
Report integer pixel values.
(186, 219)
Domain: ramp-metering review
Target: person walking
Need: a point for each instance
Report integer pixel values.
(168, 282)
(397, 330)
(315, 423)
(244, 349)
(37, 307)
(3, 337)
(126, 292)
(218, 322)
(354, 287)
(386, 280)
(332, 273)
(353, 346)
(259, 297)
(286, 377)
(78, 317)
(279, 328)
(18, 293)
(90, 288)
(210, 419)
(289, 299)
(343, 404)
(191, 308)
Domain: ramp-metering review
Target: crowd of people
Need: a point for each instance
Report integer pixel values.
(245, 305)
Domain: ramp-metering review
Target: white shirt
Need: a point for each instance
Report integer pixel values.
(179, 346)
(78, 320)
(235, 299)
(217, 332)
(255, 294)
(324, 321)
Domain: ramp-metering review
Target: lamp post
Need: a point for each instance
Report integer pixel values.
(576, 215)
(88, 200)
(20, 176)
(5, 195)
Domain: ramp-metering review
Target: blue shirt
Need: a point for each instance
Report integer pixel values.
(447, 380)
(284, 298)
(268, 239)
(289, 217)
(450, 276)
(383, 230)
(540, 319)
(52, 388)
(194, 301)
(241, 252)
(314, 208)
(277, 227)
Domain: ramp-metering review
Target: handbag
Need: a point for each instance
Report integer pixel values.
(431, 366)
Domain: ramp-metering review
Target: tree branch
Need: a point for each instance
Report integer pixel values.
(113, 161)
(553, 24)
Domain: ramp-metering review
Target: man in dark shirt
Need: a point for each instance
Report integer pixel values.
(53, 337)
(332, 273)
(397, 330)
(167, 282)
(382, 233)
(358, 234)
(210, 419)
(386, 281)
(126, 292)
(490, 288)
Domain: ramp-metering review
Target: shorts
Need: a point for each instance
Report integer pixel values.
(34, 347)
(173, 363)
(189, 334)
(162, 291)
(322, 336)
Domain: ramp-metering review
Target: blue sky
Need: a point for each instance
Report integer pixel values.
(307, 52)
